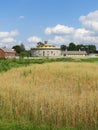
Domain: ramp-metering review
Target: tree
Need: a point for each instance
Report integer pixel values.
(17, 48)
(89, 48)
(22, 47)
(92, 48)
(80, 47)
(63, 47)
(26, 53)
(72, 46)
(40, 44)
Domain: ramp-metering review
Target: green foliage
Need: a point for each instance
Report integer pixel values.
(7, 64)
(92, 60)
(4, 65)
(80, 47)
(25, 53)
(63, 47)
(73, 47)
(17, 49)
(92, 48)
(20, 49)
(15, 125)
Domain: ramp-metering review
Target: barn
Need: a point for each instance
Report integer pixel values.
(7, 53)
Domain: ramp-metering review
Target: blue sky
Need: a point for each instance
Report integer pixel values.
(58, 21)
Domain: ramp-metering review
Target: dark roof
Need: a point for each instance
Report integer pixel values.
(74, 52)
(7, 49)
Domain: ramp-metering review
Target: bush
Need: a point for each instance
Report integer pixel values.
(4, 65)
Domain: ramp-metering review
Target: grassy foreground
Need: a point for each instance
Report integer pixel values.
(6, 64)
(51, 96)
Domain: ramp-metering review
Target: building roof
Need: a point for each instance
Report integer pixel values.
(45, 45)
(74, 52)
(7, 49)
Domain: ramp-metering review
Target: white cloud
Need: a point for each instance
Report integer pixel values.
(21, 17)
(34, 39)
(12, 33)
(90, 21)
(83, 36)
(4, 34)
(80, 36)
(59, 30)
(8, 40)
(58, 40)
(88, 34)
(82, 32)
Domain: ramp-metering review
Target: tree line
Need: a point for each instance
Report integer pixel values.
(73, 47)
(22, 52)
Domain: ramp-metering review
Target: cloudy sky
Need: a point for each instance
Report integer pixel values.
(58, 21)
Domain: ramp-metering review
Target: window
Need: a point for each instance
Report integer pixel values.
(51, 52)
(43, 53)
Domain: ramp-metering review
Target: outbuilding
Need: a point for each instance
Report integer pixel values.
(74, 53)
(7, 53)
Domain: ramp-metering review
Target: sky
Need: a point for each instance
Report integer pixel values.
(56, 21)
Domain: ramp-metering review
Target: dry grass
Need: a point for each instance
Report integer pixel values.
(61, 94)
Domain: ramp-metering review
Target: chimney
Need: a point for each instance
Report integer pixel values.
(45, 42)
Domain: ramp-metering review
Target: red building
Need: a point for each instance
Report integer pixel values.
(7, 53)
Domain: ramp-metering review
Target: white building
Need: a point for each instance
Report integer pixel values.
(46, 50)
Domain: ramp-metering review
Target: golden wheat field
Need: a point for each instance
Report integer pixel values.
(61, 94)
